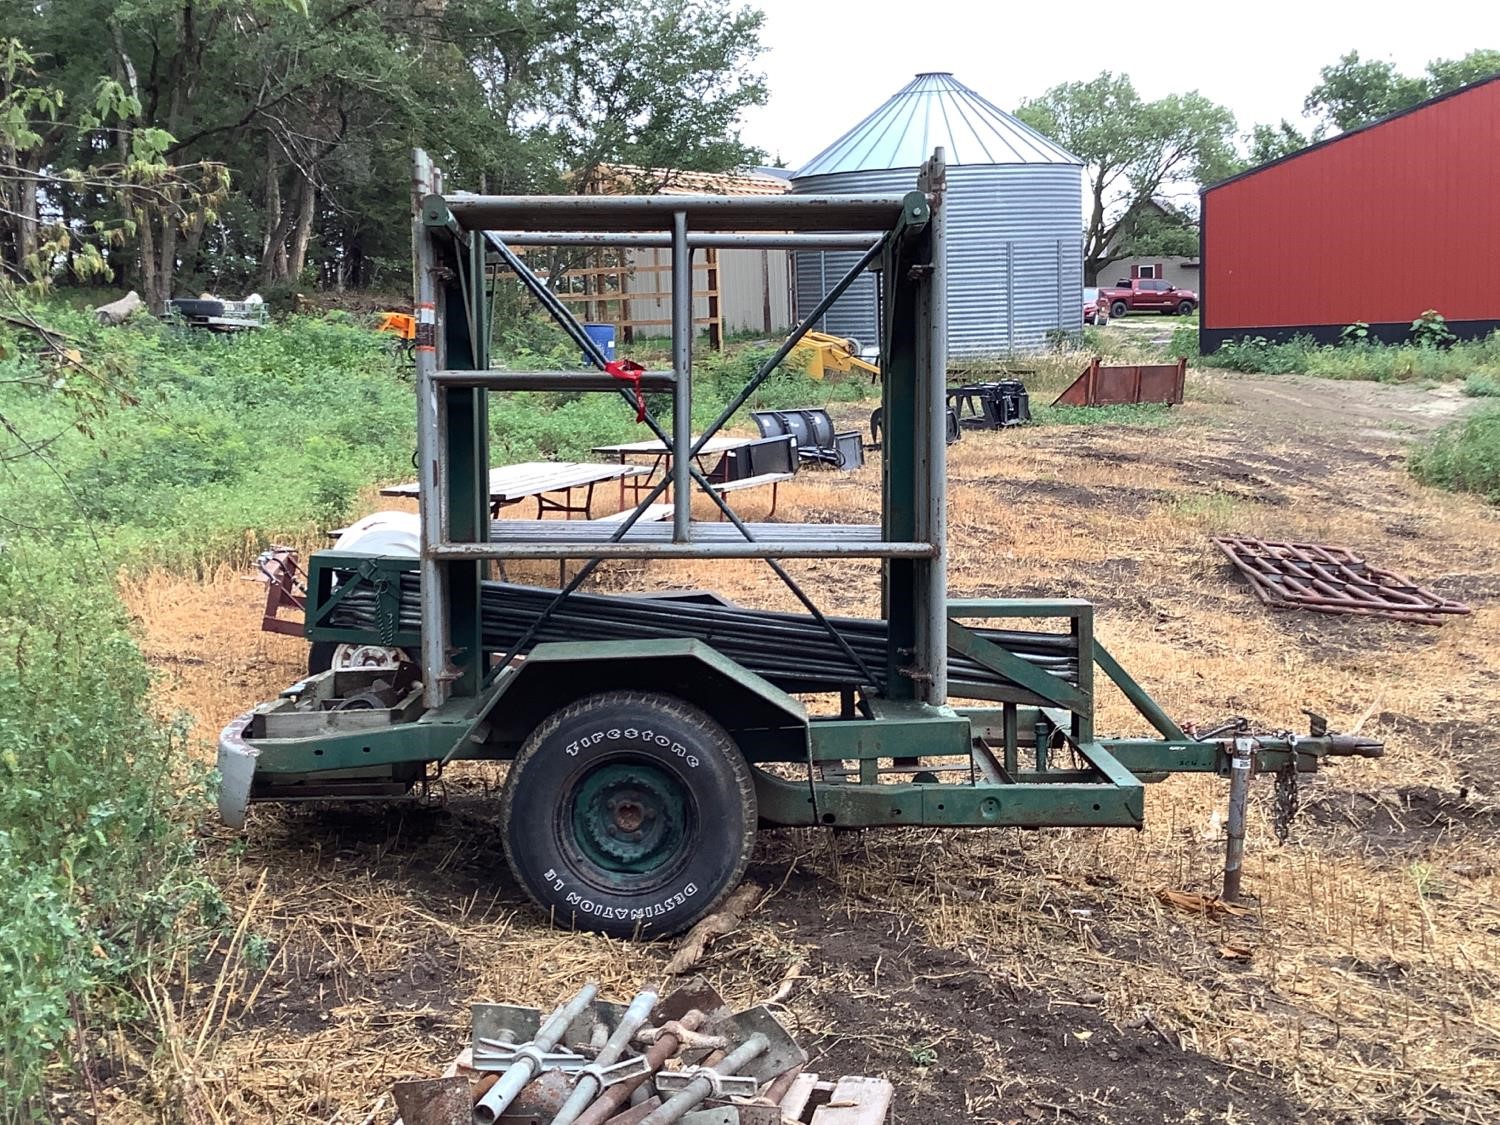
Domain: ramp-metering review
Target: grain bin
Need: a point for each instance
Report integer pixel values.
(1015, 218)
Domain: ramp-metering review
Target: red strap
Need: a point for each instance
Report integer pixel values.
(630, 372)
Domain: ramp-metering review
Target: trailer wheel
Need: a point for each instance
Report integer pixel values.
(629, 813)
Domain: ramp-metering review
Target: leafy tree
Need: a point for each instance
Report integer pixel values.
(1135, 150)
(1444, 75)
(657, 85)
(311, 107)
(1272, 142)
(1355, 91)
(1157, 230)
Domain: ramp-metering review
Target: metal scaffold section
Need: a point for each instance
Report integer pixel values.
(650, 735)
(455, 238)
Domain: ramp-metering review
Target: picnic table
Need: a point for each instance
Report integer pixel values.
(511, 484)
(659, 456)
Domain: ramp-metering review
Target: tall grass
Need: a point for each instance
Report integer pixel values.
(237, 441)
(1464, 456)
(1399, 363)
(95, 860)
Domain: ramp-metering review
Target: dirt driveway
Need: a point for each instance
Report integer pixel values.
(1000, 975)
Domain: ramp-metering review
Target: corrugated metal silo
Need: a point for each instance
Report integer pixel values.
(1015, 217)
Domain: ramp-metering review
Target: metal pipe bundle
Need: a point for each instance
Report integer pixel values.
(791, 650)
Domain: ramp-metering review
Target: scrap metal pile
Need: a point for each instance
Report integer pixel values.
(658, 1059)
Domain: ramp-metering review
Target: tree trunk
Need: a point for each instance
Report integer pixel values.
(26, 222)
(307, 196)
(191, 244)
(150, 289)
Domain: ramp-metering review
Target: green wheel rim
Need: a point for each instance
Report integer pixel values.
(630, 818)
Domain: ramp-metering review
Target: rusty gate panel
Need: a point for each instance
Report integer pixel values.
(1329, 579)
(1121, 384)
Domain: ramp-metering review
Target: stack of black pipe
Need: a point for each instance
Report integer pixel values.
(792, 650)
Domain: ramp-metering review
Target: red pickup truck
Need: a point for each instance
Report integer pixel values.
(1147, 294)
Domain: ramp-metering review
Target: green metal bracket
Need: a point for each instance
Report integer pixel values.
(1046, 804)
(898, 730)
(354, 572)
(1040, 683)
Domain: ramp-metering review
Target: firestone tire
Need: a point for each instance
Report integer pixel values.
(629, 813)
(1118, 309)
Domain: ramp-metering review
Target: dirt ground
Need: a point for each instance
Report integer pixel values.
(993, 976)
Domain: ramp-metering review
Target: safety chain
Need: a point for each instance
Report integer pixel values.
(1287, 801)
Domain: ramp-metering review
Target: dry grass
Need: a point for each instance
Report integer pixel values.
(1371, 988)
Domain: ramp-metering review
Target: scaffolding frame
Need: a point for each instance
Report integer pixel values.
(457, 237)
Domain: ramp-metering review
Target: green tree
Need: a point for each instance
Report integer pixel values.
(1444, 75)
(312, 107)
(1272, 142)
(1135, 150)
(1355, 91)
(658, 84)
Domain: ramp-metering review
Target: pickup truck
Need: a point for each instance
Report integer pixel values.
(1147, 294)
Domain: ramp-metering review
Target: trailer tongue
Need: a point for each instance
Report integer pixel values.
(649, 736)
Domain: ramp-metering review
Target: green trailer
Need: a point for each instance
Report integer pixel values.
(651, 735)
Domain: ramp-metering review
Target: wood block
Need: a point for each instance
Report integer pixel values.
(856, 1101)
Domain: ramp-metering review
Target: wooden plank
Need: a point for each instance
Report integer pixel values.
(795, 1103)
(654, 514)
(532, 478)
(856, 1101)
(752, 482)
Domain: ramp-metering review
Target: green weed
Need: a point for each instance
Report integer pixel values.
(95, 859)
(1464, 455)
(1361, 358)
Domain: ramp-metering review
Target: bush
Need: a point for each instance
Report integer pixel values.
(1464, 456)
(1184, 342)
(1360, 358)
(94, 859)
(1482, 386)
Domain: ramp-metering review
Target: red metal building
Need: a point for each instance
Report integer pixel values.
(1377, 225)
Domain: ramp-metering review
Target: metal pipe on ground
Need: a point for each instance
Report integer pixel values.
(698, 1090)
(528, 1063)
(665, 1047)
(590, 1082)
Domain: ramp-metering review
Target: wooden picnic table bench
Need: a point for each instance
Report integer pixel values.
(511, 484)
(718, 446)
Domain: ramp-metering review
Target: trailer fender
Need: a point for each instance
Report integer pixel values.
(237, 760)
(761, 717)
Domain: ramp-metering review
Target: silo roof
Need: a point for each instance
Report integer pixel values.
(935, 109)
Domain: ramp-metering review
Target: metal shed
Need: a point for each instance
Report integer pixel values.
(1015, 210)
(1375, 225)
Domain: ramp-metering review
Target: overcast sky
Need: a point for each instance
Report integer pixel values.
(830, 62)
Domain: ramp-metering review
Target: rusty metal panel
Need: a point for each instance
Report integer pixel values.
(1121, 384)
(1330, 579)
(434, 1101)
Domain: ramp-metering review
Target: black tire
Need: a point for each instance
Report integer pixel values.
(320, 656)
(1118, 309)
(678, 847)
(1185, 308)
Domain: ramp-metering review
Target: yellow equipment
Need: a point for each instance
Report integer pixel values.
(401, 325)
(834, 353)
